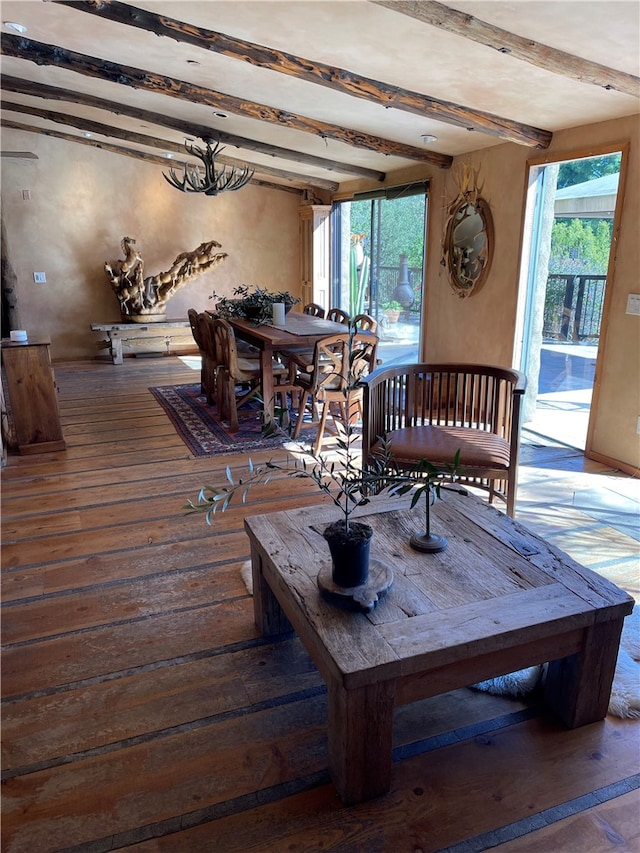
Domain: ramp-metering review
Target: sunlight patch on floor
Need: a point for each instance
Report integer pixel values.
(194, 362)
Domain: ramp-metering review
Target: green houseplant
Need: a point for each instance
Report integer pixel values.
(255, 305)
(348, 485)
(391, 310)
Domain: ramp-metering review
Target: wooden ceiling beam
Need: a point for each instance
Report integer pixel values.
(127, 152)
(338, 79)
(540, 55)
(41, 90)
(152, 142)
(137, 78)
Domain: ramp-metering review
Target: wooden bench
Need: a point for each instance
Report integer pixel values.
(172, 337)
(430, 411)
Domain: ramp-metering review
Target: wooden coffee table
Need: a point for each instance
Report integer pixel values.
(498, 599)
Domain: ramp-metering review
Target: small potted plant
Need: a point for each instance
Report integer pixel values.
(391, 310)
(255, 305)
(349, 486)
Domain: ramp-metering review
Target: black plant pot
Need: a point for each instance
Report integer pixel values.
(349, 552)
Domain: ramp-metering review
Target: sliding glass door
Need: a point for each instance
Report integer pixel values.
(378, 264)
(567, 241)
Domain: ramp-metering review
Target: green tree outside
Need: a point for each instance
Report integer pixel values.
(580, 246)
(401, 228)
(578, 171)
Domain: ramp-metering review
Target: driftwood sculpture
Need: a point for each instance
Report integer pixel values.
(144, 299)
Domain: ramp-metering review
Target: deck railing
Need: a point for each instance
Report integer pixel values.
(572, 310)
(384, 280)
(573, 307)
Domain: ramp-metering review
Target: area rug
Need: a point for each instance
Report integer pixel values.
(199, 427)
(625, 691)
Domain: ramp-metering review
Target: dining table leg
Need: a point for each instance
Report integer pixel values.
(266, 380)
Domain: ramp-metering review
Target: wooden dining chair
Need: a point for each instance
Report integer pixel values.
(337, 315)
(192, 314)
(234, 370)
(365, 323)
(313, 309)
(339, 363)
(210, 361)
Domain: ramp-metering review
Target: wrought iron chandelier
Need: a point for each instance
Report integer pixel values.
(216, 179)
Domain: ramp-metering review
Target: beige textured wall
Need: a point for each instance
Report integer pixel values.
(483, 326)
(84, 200)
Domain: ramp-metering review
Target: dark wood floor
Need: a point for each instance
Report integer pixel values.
(142, 711)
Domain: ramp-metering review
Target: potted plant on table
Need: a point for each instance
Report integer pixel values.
(348, 485)
(255, 305)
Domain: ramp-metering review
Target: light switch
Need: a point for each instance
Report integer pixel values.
(633, 303)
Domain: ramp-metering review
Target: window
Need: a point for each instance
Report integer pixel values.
(378, 263)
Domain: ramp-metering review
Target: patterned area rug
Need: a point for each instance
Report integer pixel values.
(199, 427)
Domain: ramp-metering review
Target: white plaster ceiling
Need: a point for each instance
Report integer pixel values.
(356, 35)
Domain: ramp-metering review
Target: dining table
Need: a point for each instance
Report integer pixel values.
(299, 332)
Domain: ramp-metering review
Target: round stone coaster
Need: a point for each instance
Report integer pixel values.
(366, 595)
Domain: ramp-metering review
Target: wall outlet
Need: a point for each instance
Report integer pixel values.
(39, 278)
(638, 426)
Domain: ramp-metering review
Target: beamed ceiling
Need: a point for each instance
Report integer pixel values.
(314, 94)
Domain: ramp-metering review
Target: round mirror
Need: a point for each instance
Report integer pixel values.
(468, 245)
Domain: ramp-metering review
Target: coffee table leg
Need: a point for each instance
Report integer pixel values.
(269, 616)
(578, 687)
(361, 739)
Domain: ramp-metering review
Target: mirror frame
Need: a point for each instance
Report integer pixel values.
(482, 209)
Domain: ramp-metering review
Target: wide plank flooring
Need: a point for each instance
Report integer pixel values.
(142, 711)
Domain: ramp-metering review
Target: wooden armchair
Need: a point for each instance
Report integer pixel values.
(430, 411)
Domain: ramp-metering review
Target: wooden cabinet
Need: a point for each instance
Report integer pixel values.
(315, 253)
(32, 396)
